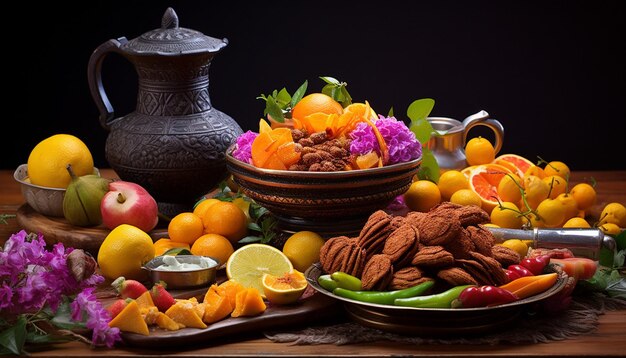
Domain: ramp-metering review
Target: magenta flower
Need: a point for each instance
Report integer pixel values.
(243, 152)
(35, 283)
(401, 142)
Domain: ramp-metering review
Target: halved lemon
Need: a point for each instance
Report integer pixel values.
(285, 289)
(249, 263)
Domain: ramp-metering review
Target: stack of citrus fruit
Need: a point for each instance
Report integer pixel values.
(514, 191)
(211, 229)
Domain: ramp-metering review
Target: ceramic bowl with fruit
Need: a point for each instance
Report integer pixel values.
(45, 200)
(325, 171)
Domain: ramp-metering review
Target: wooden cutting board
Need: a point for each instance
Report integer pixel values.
(56, 229)
(314, 308)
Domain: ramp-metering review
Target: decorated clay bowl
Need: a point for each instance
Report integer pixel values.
(329, 203)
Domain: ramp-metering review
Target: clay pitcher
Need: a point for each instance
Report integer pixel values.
(174, 143)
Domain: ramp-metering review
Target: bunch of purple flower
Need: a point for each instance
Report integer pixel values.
(401, 142)
(243, 151)
(37, 284)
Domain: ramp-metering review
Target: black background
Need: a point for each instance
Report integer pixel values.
(552, 72)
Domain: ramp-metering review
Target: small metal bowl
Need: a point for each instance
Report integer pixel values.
(45, 200)
(186, 278)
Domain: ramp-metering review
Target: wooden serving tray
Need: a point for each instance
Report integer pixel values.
(56, 229)
(314, 307)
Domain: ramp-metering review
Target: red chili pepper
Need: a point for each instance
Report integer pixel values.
(510, 275)
(520, 270)
(536, 264)
(484, 296)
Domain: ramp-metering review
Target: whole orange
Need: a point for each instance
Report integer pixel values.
(185, 227)
(226, 219)
(213, 245)
(315, 103)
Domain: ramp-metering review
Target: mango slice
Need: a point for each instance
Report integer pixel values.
(249, 302)
(130, 320)
(185, 313)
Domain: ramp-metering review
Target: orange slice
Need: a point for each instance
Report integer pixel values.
(285, 289)
(516, 164)
(484, 180)
(266, 144)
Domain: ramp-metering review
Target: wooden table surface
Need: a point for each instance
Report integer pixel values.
(608, 340)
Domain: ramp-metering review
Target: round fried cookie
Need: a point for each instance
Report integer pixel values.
(401, 245)
(439, 228)
(377, 273)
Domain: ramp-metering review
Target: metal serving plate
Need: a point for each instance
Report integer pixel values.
(434, 321)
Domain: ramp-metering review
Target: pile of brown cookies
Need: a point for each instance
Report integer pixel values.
(395, 252)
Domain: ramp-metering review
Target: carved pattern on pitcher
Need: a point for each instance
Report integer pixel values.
(171, 71)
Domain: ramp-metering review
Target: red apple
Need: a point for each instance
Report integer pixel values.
(129, 203)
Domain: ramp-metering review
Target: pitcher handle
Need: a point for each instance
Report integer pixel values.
(94, 76)
(482, 119)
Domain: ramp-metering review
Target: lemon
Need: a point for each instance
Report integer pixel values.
(516, 245)
(422, 195)
(124, 250)
(507, 216)
(576, 222)
(466, 197)
(614, 213)
(303, 249)
(284, 289)
(48, 160)
(450, 182)
(610, 229)
(249, 263)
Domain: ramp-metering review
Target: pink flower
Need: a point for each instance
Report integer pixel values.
(243, 152)
(401, 142)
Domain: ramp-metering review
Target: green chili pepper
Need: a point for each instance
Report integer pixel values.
(346, 281)
(384, 297)
(327, 282)
(439, 300)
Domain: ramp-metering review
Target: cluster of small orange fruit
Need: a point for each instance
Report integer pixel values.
(516, 192)
(211, 229)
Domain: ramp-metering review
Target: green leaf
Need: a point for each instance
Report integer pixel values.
(177, 251)
(390, 113)
(63, 317)
(423, 130)
(254, 226)
(420, 109)
(274, 110)
(347, 99)
(256, 211)
(13, 338)
(330, 80)
(283, 98)
(332, 91)
(429, 168)
(250, 239)
(299, 93)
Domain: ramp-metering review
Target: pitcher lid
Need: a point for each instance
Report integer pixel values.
(172, 40)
